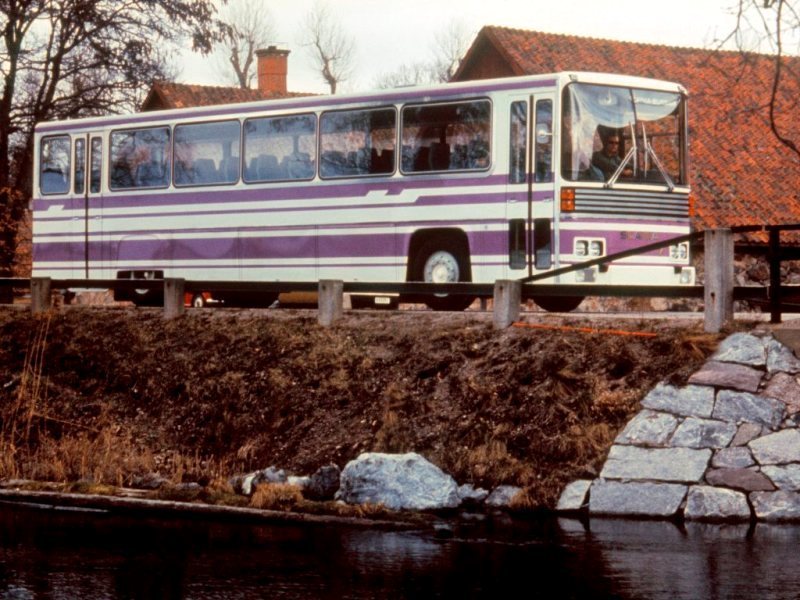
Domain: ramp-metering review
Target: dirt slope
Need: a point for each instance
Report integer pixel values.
(109, 393)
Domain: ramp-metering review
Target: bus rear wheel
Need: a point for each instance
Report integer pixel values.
(558, 303)
(443, 261)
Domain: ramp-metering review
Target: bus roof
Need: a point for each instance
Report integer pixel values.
(445, 91)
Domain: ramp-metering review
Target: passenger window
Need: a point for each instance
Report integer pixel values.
(207, 153)
(80, 166)
(280, 148)
(97, 165)
(518, 159)
(447, 137)
(140, 158)
(54, 163)
(357, 142)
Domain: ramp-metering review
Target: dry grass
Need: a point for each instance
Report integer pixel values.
(276, 496)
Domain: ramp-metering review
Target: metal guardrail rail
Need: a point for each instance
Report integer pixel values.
(771, 295)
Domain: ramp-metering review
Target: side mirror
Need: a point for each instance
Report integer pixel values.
(543, 133)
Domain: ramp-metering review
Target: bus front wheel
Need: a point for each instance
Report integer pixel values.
(558, 303)
(443, 261)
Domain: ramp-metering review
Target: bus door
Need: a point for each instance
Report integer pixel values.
(530, 207)
(542, 232)
(92, 223)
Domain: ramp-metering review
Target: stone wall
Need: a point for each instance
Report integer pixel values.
(724, 447)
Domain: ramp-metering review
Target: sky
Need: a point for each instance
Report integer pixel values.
(389, 34)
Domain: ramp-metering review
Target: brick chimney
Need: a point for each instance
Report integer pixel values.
(272, 70)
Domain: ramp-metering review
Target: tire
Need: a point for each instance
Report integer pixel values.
(558, 303)
(443, 261)
(198, 301)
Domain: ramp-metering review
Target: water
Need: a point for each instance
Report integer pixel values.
(68, 555)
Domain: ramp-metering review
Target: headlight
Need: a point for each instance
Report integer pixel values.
(596, 248)
(581, 248)
(679, 251)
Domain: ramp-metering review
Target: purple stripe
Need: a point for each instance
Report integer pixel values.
(285, 247)
(267, 194)
(311, 102)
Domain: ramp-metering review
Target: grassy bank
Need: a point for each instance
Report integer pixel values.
(111, 395)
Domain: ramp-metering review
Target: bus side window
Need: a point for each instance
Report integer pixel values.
(543, 171)
(140, 158)
(452, 136)
(518, 159)
(80, 166)
(54, 162)
(96, 161)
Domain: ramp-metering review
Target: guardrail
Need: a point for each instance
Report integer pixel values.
(718, 290)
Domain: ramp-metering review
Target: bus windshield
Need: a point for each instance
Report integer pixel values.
(617, 134)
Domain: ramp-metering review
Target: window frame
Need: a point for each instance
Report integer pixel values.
(243, 156)
(381, 107)
(68, 183)
(239, 173)
(168, 146)
(489, 134)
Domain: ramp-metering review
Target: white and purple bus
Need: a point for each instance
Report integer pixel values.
(474, 181)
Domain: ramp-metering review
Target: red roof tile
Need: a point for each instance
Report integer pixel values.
(166, 95)
(740, 174)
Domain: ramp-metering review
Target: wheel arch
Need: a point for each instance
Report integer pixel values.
(445, 235)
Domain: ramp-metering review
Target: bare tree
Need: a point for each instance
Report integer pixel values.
(762, 25)
(448, 48)
(332, 49)
(71, 58)
(247, 27)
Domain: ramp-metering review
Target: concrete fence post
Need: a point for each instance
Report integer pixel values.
(718, 292)
(507, 300)
(40, 294)
(174, 297)
(331, 294)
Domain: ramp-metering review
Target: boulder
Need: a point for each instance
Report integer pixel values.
(785, 477)
(747, 480)
(689, 401)
(323, 484)
(743, 348)
(705, 503)
(502, 495)
(784, 387)
(781, 358)
(635, 498)
(703, 433)
(740, 407)
(398, 481)
(662, 464)
(727, 375)
(746, 433)
(648, 428)
(777, 448)
(776, 506)
(732, 458)
(574, 495)
(470, 495)
(246, 484)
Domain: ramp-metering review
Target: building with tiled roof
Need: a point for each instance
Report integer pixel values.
(740, 173)
(272, 70)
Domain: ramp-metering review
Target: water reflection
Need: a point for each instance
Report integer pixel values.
(59, 555)
(651, 559)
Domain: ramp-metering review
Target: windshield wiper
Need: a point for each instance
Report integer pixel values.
(649, 151)
(631, 153)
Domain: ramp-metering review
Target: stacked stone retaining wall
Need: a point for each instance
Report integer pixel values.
(724, 447)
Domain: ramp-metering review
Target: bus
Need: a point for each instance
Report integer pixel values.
(459, 182)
